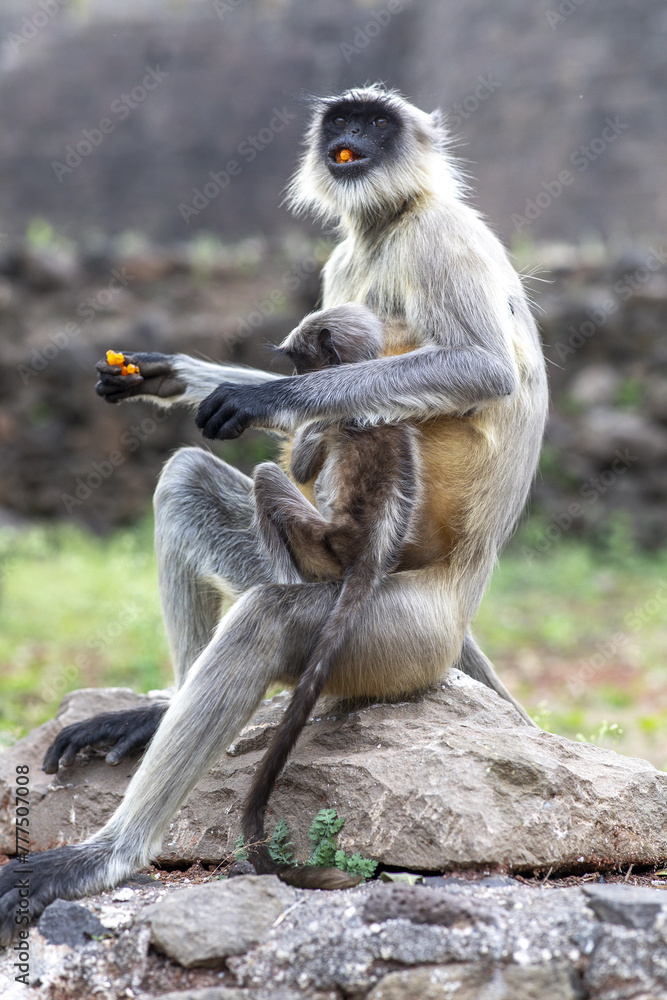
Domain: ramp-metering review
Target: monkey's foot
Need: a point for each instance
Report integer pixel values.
(28, 885)
(124, 732)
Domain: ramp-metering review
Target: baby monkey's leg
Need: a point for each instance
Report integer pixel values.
(292, 530)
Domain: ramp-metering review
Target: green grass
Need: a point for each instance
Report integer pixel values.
(75, 611)
(571, 597)
(578, 632)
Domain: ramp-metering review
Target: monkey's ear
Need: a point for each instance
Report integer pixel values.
(330, 355)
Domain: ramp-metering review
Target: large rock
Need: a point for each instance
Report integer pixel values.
(450, 780)
(473, 981)
(204, 924)
(69, 806)
(527, 943)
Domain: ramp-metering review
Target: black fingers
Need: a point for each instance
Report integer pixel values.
(113, 386)
(124, 732)
(227, 425)
(150, 363)
(210, 406)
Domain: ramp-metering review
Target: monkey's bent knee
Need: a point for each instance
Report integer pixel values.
(184, 467)
(192, 473)
(266, 474)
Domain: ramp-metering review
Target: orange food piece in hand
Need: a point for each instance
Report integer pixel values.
(344, 156)
(116, 358)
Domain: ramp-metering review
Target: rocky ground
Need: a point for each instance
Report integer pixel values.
(253, 938)
(515, 839)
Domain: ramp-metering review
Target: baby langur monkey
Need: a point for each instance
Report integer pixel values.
(355, 469)
(366, 485)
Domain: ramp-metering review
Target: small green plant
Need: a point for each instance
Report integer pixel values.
(325, 852)
(280, 845)
(323, 831)
(240, 852)
(355, 864)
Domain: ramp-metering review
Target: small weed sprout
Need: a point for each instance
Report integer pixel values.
(280, 847)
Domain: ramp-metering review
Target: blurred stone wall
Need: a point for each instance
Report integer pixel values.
(114, 116)
(604, 325)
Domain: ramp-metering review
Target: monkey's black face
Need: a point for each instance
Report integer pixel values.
(357, 136)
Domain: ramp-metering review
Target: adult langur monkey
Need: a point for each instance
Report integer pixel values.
(468, 365)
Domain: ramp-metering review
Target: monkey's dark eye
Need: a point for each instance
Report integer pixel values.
(339, 121)
(381, 122)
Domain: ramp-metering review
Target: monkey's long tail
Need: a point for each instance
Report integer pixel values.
(358, 588)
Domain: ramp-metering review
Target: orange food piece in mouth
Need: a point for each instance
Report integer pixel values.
(116, 358)
(345, 156)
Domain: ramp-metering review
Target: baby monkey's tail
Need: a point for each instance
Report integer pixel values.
(358, 588)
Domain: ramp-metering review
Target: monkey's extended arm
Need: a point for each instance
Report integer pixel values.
(414, 386)
(171, 379)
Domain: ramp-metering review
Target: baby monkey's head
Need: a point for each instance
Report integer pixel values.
(337, 336)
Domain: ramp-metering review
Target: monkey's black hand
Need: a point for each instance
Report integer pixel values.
(231, 409)
(156, 378)
(124, 732)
